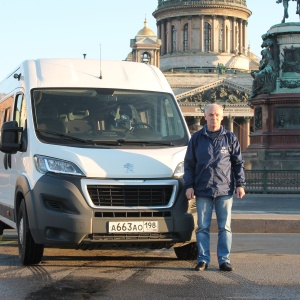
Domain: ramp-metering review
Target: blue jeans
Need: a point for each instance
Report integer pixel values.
(222, 205)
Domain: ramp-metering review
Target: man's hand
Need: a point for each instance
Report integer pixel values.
(240, 192)
(190, 193)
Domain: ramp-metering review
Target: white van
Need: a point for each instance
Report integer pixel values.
(92, 158)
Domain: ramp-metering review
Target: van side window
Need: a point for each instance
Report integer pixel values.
(5, 110)
(20, 110)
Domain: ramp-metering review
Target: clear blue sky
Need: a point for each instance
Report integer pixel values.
(31, 29)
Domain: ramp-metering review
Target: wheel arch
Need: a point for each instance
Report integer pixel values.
(22, 189)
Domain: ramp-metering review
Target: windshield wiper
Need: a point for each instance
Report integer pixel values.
(65, 136)
(124, 141)
(118, 142)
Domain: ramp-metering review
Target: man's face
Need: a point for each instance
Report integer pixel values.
(213, 117)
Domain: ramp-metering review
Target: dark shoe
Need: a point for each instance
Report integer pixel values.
(201, 266)
(226, 267)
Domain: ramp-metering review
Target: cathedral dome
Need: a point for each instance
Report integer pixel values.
(145, 31)
(199, 36)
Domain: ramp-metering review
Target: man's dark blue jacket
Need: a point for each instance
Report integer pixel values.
(213, 167)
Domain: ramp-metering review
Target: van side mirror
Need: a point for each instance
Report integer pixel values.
(9, 139)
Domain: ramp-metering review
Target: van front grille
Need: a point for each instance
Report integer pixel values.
(130, 195)
(134, 214)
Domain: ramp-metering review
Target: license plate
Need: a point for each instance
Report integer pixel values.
(134, 226)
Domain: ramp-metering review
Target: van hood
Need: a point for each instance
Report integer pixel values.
(126, 163)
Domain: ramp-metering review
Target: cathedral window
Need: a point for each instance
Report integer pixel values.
(185, 37)
(207, 37)
(173, 39)
(221, 39)
(146, 58)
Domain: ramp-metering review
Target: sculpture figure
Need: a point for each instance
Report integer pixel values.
(265, 79)
(285, 9)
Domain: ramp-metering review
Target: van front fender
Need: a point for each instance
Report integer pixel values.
(21, 192)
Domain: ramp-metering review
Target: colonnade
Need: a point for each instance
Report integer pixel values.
(203, 33)
(237, 124)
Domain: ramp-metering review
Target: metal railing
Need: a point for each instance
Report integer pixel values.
(272, 181)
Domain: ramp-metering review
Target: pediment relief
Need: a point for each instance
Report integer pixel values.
(146, 41)
(224, 94)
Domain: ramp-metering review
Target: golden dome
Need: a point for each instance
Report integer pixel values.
(146, 31)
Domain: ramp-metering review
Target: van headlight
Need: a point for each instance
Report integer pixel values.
(50, 164)
(179, 171)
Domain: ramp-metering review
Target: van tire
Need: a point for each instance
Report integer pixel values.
(187, 252)
(30, 253)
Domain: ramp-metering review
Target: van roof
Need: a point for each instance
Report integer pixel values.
(87, 72)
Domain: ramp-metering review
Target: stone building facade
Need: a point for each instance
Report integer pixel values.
(204, 56)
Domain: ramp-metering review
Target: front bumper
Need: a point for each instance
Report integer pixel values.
(60, 214)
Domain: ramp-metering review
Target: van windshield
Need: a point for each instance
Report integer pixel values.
(105, 117)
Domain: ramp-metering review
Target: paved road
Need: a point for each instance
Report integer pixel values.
(266, 267)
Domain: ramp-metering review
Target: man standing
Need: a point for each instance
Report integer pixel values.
(213, 166)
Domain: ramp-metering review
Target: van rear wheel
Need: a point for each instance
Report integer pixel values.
(30, 253)
(187, 252)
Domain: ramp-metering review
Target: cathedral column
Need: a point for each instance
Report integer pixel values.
(189, 32)
(213, 31)
(201, 37)
(197, 124)
(233, 35)
(240, 36)
(179, 35)
(169, 36)
(156, 52)
(244, 36)
(230, 120)
(163, 35)
(224, 38)
(158, 25)
(156, 58)
(247, 135)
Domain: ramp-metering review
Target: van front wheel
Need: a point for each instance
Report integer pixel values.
(187, 252)
(30, 253)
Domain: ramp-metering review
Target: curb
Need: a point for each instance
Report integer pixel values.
(262, 223)
(10, 235)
